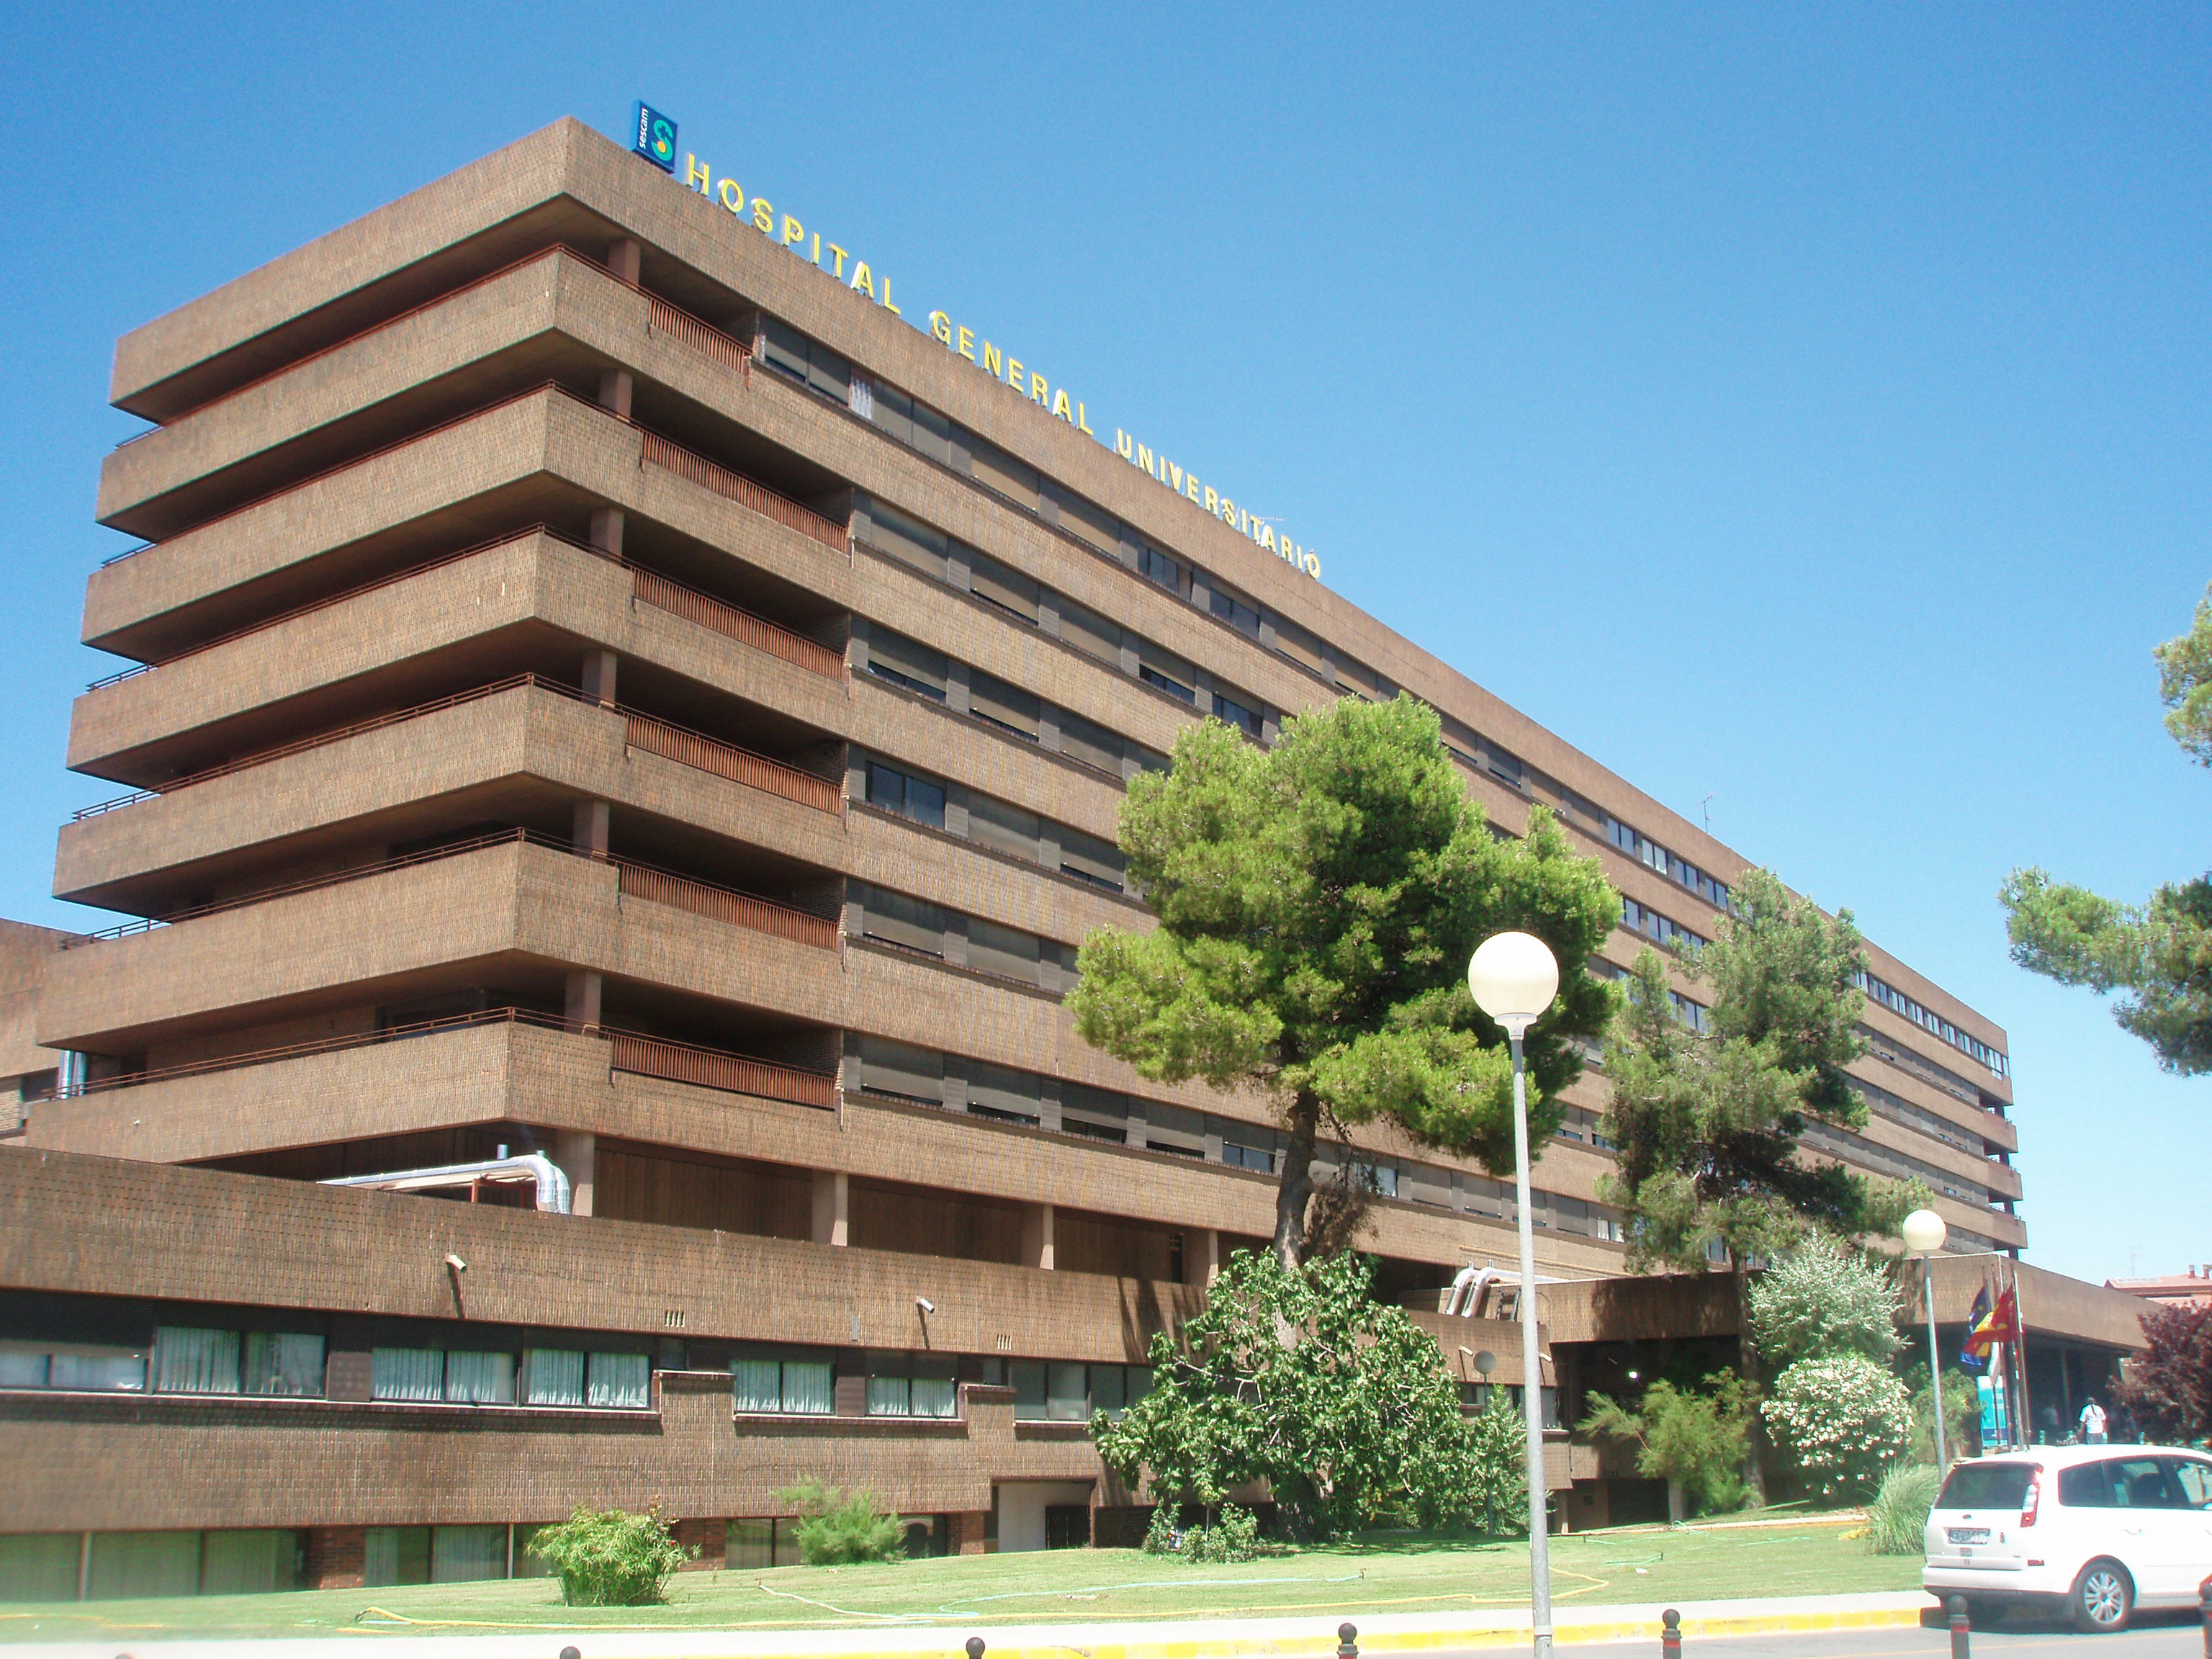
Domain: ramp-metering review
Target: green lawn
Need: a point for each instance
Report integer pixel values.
(1342, 1582)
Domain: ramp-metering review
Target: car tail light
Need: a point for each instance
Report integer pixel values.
(2034, 1498)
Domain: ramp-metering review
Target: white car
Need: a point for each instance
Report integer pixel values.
(2098, 1531)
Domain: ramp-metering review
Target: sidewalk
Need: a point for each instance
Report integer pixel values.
(1208, 1638)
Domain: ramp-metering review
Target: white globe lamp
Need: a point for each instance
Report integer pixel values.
(1925, 1232)
(1514, 977)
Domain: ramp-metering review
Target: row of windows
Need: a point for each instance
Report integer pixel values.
(289, 1364)
(1660, 930)
(536, 1376)
(902, 1072)
(1934, 1025)
(1898, 1110)
(932, 432)
(112, 1567)
(914, 667)
(1843, 1144)
(994, 823)
(1926, 1070)
(804, 1383)
(948, 560)
(984, 947)
(1653, 856)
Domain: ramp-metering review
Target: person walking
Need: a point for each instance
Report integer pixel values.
(2093, 1422)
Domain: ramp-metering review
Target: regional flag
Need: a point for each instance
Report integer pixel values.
(1993, 1325)
(1976, 1354)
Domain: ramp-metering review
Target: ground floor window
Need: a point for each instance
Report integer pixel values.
(753, 1544)
(126, 1566)
(434, 1555)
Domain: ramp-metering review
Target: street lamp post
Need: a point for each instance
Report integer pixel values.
(1485, 1363)
(1925, 1233)
(1514, 977)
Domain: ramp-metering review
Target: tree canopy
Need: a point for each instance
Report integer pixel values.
(2159, 952)
(2168, 1387)
(1708, 1124)
(1297, 1378)
(1317, 903)
(1821, 1299)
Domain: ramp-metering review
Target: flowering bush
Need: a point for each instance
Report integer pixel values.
(1824, 1299)
(1844, 1419)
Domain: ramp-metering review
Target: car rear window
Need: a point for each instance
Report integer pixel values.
(1986, 1487)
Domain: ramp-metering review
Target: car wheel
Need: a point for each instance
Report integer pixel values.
(2102, 1597)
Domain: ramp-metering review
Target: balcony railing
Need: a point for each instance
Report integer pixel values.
(649, 587)
(665, 453)
(645, 731)
(635, 880)
(630, 1051)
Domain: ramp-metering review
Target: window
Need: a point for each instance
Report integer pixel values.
(1094, 745)
(992, 467)
(1006, 588)
(773, 1384)
(1153, 676)
(1057, 1392)
(85, 1366)
(907, 663)
(1003, 827)
(1100, 1113)
(1006, 707)
(1000, 1092)
(1003, 952)
(1155, 566)
(1090, 634)
(1091, 859)
(911, 924)
(1247, 1157)
(407, 1374)
(479, 1379)
(1243, 716)
(619, 1382)
(813, 365)
(906, 539)
(1239, 613)
(900, 1071)
(1168, 673)
(911, 1385)
(2194, 1479)
(913, 798)
(1987, 1485)
(552, 1376)
(195, 1361)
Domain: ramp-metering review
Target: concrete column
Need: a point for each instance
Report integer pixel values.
(607, 530)
(617, 386)
(833, 1204)
(599, 678)
(1037, 1236)
(1209, 1254)
(577, 1152)
(589, 832)
(585, 989)
(624, 258)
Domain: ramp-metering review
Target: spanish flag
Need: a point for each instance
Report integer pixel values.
(1986, 1327)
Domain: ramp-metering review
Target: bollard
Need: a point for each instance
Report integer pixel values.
(572, 1651)
(1961, 1628)
(1670, 1634)
(975, 1647)
(2204, 1608)
(1347, 1641)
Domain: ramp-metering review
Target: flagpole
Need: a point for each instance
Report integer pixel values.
(2020, 1340)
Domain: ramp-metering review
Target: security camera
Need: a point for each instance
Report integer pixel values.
(456, 1263)
(924, 1304)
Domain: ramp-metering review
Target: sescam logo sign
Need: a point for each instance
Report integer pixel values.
(655, 138)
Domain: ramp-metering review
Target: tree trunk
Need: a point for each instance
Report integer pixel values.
(1678, 1504)
(1294, 1187)
(1754, 1473)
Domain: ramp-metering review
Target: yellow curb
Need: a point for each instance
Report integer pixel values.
(1497, 1636)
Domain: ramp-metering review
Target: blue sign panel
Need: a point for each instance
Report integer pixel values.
(655, 138)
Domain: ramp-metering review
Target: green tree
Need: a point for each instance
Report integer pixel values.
(1708, 1124)
(1695, 1440)
(837, 1526)
(1297, 1378)
(1824, 1299)
(2159, 952)
(1317, 903)
(1844, 1418)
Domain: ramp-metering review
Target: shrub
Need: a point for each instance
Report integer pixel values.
(1163, 1536)
(837, 1527)
(609, 1557)
(1821, 1301)
(1844, 1419)
(1234, 1537)
(1897, 1520)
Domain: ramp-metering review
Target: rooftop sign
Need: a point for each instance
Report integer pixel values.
(655, 138)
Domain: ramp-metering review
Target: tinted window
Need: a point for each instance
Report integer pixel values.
(2086, 1486)
(2195, 1479)
(1986, 1487)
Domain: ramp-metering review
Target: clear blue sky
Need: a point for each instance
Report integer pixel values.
(1803, 405)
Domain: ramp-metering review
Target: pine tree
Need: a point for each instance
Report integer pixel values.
(1317, 903)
